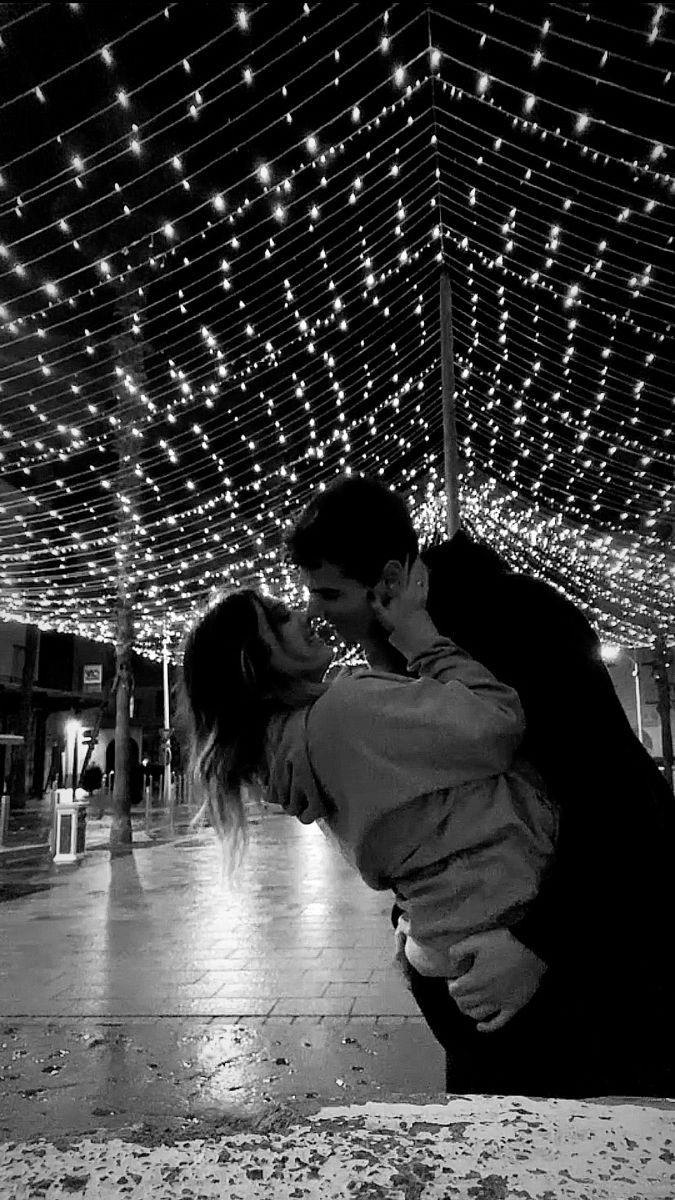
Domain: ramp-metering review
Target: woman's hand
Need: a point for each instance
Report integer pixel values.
(400, 600)
(401, 935)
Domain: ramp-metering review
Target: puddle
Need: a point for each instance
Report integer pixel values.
(15, 891)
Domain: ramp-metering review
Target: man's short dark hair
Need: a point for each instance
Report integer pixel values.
(358, 524)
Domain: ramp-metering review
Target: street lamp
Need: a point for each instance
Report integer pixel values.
(611, 653)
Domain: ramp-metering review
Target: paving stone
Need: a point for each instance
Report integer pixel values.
(154, 959)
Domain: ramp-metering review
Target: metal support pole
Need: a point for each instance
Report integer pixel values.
(168, 792)
(75, 737)
(660, 665)
(450, 455)
(638, 697)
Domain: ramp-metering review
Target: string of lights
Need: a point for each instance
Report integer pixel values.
(577, 41)
(561, 66)
(385, 356)
(241, 344)
(171, 413)
(24, 16)
(391, 352)
(655, 32)
(121, 98)
(105, 54)
(582, 120)
(160, 256)
(264, 171)
(140, 140)
(546, 198)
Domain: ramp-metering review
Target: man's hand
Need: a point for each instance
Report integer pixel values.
(502, 978)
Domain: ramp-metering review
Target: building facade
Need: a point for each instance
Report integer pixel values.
(53, 686)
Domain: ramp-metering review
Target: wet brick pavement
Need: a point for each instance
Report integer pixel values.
(165, 1034)
(150, 985)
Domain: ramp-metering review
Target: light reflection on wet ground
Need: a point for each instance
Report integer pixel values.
(148, 984)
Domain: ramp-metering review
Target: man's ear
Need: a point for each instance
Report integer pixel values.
(392, 577)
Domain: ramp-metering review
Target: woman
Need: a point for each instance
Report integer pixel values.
(415, 775)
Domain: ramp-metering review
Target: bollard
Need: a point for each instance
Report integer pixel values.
(4, 817)
(148, 806)
(70, 831)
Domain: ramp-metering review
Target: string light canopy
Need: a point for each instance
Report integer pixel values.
(221, 233)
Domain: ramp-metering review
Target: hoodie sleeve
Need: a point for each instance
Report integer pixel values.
(455, 717)
(492, 710)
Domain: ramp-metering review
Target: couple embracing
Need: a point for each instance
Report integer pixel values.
(482, 769)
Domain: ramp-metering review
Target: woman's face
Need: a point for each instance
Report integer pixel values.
(295, 649)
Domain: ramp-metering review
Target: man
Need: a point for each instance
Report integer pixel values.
(584, 980)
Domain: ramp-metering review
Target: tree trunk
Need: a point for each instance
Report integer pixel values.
(120, 832)
(128, 351)
(22, 756)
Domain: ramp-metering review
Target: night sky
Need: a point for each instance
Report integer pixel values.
(221, 235)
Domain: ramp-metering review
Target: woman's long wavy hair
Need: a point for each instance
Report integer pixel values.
(233, 706)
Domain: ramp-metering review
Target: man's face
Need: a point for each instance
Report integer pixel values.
(342, 601)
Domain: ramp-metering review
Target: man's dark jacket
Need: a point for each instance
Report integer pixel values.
(604, 919)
